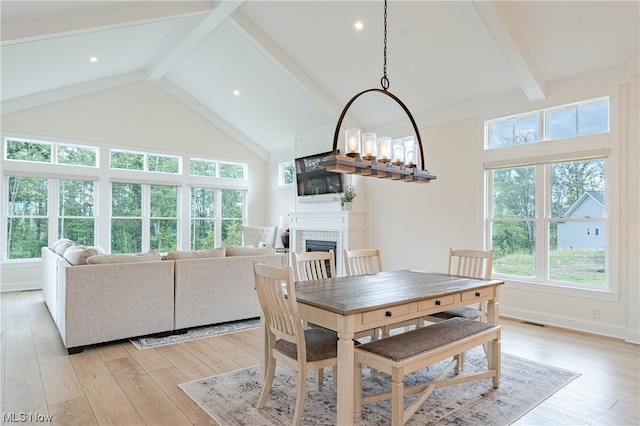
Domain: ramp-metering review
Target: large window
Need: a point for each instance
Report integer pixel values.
(547, 212)
(141, 202)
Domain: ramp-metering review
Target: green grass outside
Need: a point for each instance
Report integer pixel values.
(578, 266)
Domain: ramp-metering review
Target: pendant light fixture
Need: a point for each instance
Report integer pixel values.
(369, 155)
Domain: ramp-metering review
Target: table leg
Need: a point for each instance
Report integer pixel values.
(346, 360)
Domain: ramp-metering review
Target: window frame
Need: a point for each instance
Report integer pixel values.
(541, 154)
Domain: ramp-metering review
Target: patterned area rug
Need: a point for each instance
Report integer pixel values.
(230, 398)
(196, 333)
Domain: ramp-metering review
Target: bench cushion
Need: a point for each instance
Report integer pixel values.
(422, 340)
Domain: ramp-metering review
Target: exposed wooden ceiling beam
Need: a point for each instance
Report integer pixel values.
(512, 48)
(159, 68)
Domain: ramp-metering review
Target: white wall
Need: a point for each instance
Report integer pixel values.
(139, 115)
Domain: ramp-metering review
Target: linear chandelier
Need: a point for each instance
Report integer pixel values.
(369, 155)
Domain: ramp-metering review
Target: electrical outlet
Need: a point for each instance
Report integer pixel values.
(595, 312)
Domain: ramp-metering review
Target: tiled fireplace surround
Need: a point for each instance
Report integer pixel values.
(345, 228)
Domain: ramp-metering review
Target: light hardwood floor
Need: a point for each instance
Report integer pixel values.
(116, 384)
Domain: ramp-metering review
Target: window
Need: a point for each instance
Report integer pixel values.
(27, 221)
(77, 155)
(126, 218)
(211, 168)
(209, 229)
(286, 173)
(163, 224)
(143, 217)
(42, 152)
(547, 219)
(579, 119)
(76, 215)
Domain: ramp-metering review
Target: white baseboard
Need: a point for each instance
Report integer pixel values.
(21, 286)
(593, 327)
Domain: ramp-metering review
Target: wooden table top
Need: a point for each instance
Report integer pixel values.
(353, 295)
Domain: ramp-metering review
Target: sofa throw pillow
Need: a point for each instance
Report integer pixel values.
(248, 251)
(198, 254)
(58, 242)
(102, 259)
(77, 255)
(62, 246)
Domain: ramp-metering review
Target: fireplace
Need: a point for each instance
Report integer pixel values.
(319, 245)
(332, 230)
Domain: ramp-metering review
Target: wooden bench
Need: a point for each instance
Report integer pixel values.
(407, 352)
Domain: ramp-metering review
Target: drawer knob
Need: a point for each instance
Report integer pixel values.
(477, 294)
(388, 314)
(437, 303)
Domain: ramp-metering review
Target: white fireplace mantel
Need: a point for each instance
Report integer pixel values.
(346, 228)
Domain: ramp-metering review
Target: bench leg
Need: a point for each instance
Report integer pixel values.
(397, 398)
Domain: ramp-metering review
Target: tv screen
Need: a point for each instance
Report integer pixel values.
(313, 179)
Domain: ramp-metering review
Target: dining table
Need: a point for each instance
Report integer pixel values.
(348, 305)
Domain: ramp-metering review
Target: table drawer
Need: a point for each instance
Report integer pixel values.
(436, 302)
(384, 314)
(481, 293)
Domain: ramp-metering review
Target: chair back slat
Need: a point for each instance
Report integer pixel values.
(313, 265)
(471, 263)
(362, 261)
(278, 302)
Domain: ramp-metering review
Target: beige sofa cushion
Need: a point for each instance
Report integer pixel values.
(198, 254)
(248, 251)
(123, 258)
(77, 255)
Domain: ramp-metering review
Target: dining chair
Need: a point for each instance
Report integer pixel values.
(254, 235)
(287, 341)
(319, 265)
(313, 265)
(468, 264)
(369, 261)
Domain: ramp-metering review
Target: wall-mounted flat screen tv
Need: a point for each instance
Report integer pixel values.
(313, 179)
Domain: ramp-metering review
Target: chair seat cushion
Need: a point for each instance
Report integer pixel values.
(321, 344)
(465, 312)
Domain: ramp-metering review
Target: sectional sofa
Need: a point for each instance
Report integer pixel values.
(94, 297)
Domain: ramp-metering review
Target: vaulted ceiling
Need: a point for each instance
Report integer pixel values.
(295, 64)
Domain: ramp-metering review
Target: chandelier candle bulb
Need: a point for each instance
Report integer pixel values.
(398, 154)
(410, 159)
(369, 144)
(384, 149)
(352, 142)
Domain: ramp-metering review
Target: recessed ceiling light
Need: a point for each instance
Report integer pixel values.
(93, 59)
(236, 92)
(358, 25)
